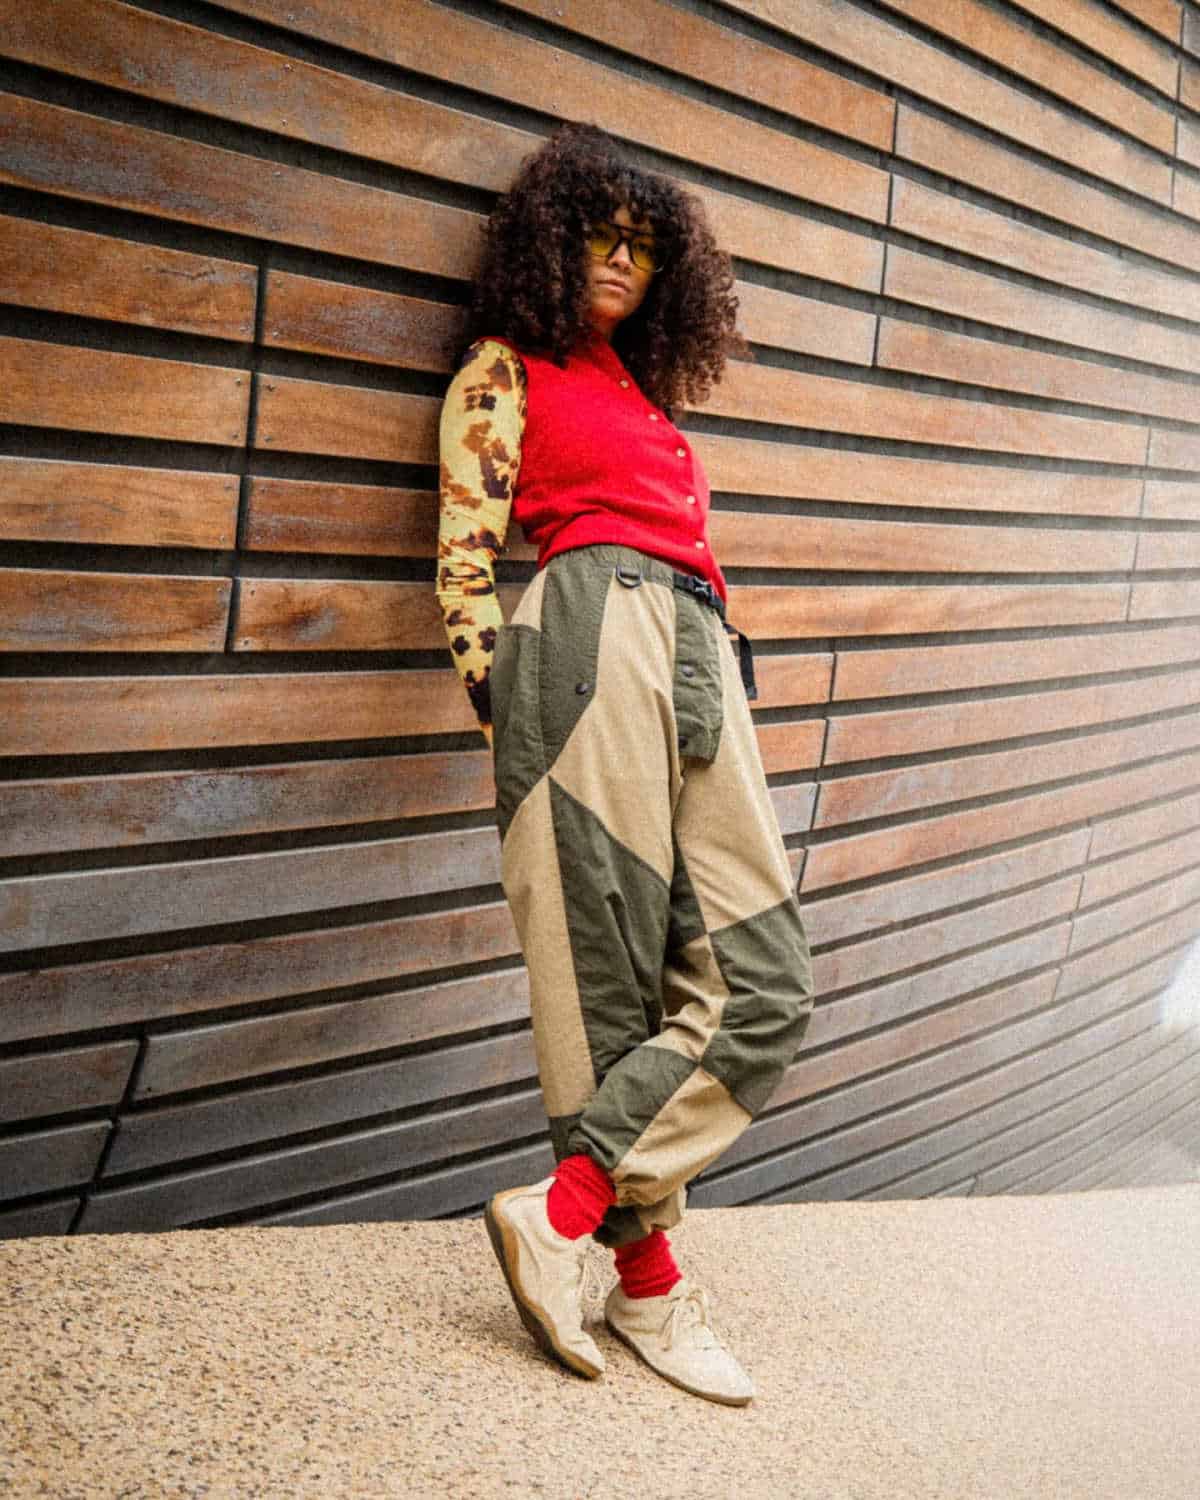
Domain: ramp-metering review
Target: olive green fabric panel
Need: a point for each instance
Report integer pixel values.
(686, 919)
(617, 922)
(698, 692)
(520, 758)
(632, 1094)
(573, 605)
(765, 963)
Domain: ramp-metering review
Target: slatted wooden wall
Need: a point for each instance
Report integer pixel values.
(256, 963)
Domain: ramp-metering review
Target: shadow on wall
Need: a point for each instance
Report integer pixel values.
(1179, 1008)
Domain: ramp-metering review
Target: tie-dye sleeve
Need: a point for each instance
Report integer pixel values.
(481, 426)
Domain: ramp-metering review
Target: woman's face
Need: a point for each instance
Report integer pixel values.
(616, 287)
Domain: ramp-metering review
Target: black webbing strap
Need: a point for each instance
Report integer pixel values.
(701, 589)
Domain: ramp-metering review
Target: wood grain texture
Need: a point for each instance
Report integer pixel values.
(45, 610)
(62, 151)
(930, 282)
(1053, 377)
(95, 275)
(878, 794)
(56, 500)
(97, 715)
(996, 237)
(830, 405)
(478, 55)
(889, 673)
(91, 390)
(792, 470)
(187, 981)
(965, 156)
(54, 1082)
(657, 32)
(43, 910)
(870, 42)
(1004, 41)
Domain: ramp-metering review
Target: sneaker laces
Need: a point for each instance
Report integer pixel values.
(593, 1286)
(690, 1311)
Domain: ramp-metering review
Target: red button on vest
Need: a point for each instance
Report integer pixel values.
(593, 469)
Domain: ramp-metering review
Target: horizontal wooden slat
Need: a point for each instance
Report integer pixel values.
(786, 680)
(784, 321)
(755, 467)
(429, 1195)
(1172, 500)
(95, 275)
(931, 838)
(1113, 38)
(790, 746)
(1174, 449)
(38, 1161)
(271, 1176)
(1157, 862)
(1126, 914)
(44, 610)
(884, 907)
(939, 1125)
(306, 515)
(848, 609)
(277, 614)
(40, 910)
(870, 42)
(43, 716)
(1081, 84)
(1163, 16)
(189, 981)
(91, 390)
(965, 156)
(921, 350)
(930, 669)
(355, 322)
(929, 941)
(910, 731)
(909, 788)
(826, 404)
(97, 812)
(953, 222)
(348, 421)
(176, 1131)
(1127, 950)
(747, 539)
(1169, 549)
(38, 1218)
(55, 150)
(47, 1083)
(654, 31)
(1126, 831)
(53, 500)
(1165, 601)
(930, 282)
(506, 65)
(219, 1053)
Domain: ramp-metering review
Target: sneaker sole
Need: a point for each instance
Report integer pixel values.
(505, 1245)
(692, 1390)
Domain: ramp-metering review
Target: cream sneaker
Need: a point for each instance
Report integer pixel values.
(544, 1271)
(674, 1336)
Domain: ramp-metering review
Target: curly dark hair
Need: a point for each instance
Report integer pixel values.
(531, 286)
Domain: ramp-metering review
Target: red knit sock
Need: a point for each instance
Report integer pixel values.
(647, 1268)
(579, 1196)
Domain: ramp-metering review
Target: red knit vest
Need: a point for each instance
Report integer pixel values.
(600, 463)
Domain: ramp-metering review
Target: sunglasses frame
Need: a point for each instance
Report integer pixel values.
(626, 237)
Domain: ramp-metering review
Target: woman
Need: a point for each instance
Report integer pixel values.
(669, 972)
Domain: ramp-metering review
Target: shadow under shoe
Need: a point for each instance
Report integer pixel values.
(544, 1271)
(674, 1336)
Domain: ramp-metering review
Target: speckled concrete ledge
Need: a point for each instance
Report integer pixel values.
(952, 1347)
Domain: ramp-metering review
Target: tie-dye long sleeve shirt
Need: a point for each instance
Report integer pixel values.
(482, 422)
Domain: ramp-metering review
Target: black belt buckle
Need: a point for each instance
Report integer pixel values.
(701, 588)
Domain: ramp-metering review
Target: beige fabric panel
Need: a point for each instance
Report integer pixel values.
(529, 871)
(694, 996)
(711, 818)
(529, 608)
(695, 1125)
(621, 755)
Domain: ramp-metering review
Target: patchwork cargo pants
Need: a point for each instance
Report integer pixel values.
(670, 981)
